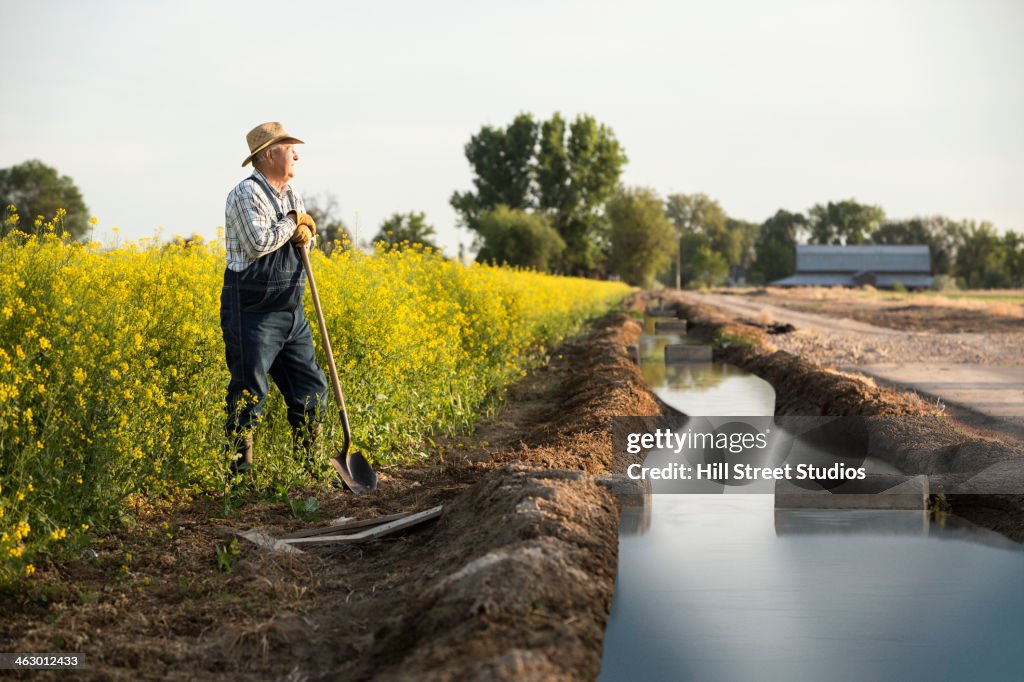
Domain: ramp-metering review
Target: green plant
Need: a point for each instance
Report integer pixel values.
(227, 556)
(304, 510)
(726, 339)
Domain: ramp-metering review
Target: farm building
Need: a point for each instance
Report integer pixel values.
(851, 266)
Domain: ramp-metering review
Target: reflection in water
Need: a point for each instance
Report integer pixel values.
(713, 592)
(708, 388)
(724, 587)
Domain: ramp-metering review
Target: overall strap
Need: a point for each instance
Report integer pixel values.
(270, 195)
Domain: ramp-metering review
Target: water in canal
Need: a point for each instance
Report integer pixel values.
(724, 587)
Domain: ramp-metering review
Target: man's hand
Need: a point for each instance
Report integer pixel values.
(305, 219)
(305, 228)
(303, 235)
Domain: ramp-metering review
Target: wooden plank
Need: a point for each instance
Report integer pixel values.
(350, 525)
(374, 532)
(267, 541)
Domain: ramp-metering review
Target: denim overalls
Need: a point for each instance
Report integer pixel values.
(266, 331)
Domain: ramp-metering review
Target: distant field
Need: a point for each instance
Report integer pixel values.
(1009, 302)
(996, 311)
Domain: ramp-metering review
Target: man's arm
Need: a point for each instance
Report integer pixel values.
(259, 231)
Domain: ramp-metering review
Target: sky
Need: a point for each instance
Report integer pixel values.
(913, 105)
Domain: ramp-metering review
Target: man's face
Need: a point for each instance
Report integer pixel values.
(281, 161)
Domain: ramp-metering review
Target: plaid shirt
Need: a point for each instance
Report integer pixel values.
(251, 227)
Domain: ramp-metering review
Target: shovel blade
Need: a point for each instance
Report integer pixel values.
(355, 472)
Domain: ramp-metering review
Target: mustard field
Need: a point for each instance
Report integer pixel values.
(113, 378)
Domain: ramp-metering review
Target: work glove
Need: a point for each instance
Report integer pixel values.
(305, 219)
(303, 234)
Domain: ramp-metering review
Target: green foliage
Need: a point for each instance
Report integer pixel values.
(641, 236)
(519, 238)
(700, 214)
(112, 374)
(227, 556)
(304, 510)
(724, 339)
(741, 236)
(943, 236)
(775, 247)
(844, 222)
(331, 230)
(703, 227)
(406, 229)
(38, 192)
(982, 258)
(706, 267)
(502, 162)
(567, 173)
(944, 283)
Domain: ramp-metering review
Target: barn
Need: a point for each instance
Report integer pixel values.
(880, 266)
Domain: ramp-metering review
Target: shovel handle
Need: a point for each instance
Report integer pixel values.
(335, 382)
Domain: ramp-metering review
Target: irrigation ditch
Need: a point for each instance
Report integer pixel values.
(923, 442)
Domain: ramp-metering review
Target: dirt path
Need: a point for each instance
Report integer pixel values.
(514, 581)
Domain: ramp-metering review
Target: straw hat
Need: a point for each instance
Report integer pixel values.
(264, 135)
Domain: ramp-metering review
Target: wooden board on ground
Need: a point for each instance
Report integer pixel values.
(267, 541)
(373, 532)
(350, 525)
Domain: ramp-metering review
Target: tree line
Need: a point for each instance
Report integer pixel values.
(547, 194)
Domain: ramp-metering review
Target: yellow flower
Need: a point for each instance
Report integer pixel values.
(44, 343)
(17, 551)
(93, 220)
(29, 570)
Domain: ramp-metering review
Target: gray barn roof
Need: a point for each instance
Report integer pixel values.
(849, 266)
(904, 259)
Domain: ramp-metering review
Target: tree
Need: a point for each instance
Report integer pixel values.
(776, 246)
(845, 222)
(409, 227)
(502, 162)
(708, 267)
(981, 261)
(565, 172)
(519, 238)
(641, 236)
(741, 236)
(696, 214)
(331, 230)
(576, 174)
(943, 236)
(36, 189)
(1013, 245)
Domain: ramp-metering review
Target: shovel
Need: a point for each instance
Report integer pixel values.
(353, 469)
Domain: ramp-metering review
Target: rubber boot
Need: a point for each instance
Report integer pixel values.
(303, 438)
(242, 462)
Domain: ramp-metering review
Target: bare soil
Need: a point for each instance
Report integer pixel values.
(513, 581)
(921, 312)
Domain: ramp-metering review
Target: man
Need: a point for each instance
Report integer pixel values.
(265, 328)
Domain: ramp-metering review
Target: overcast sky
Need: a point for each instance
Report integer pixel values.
(913, 105)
